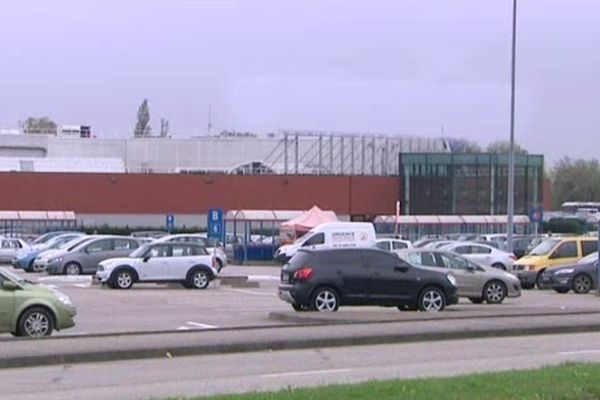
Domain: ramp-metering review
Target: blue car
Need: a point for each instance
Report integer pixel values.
(25, 260)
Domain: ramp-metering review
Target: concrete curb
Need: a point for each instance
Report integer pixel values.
(243, 344)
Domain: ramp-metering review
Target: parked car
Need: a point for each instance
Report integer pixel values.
(202, 240)
(188, 263)
(438, 244)
(32, 310)
(10, 247)
(330, 235)
(550, 252)
(86, 256)
(392, 244)
(323, 280)
(476, 282)
(483, 254)
(580, 277)
(49, 235)
(25, 258)
(41, 260)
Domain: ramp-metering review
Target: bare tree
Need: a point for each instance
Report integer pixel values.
(142, 126)
(465, 146)
(503, 147)
(37, 126)
(575, 180)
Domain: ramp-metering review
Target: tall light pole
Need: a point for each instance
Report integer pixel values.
(511, 154)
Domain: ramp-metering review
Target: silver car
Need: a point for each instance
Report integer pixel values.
(476, 282)
(85, 257)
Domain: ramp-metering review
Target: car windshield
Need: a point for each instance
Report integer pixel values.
(73, 243)
(545, 247)
(12, 276)
(140, 251)
(44, 238)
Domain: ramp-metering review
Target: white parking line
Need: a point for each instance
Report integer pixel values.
(250, 292)
(300, 373)
(184, 328)
(571, 353)
(263, 278)
(200, 325)
(83, 285)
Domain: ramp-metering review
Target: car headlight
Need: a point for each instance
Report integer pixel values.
(55, 260)
(100, 268)
(63, 298)
(565, 271)
(451, 279)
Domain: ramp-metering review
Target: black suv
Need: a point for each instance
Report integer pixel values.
(323, 280)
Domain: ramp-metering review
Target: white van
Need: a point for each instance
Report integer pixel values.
(331, 235)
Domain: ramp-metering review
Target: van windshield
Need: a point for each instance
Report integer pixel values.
(545, 247)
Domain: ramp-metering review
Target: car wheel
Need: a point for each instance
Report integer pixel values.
(476, 300)
(494, 292)
(561, 290)
(582, 284)
(123, 279)
(499, 266)
(30, 266)
(199, 279)
(432, 299)
(527, 285)
(539, 281)
(36, 322)
(299, 308)
(72, 269)
(325, 299)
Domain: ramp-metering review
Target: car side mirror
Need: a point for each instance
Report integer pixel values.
(146, 258)
(9, 286)
(470, 268)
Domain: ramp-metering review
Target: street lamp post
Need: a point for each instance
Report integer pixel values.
(511, 154)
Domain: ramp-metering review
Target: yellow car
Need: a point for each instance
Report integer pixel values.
(551, 252)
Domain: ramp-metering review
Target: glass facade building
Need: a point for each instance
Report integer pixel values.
(467, 184)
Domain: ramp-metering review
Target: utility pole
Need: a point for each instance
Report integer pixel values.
(511, 155)
(209, 118)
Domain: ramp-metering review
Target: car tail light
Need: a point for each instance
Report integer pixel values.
(512, 257)
(303, 274)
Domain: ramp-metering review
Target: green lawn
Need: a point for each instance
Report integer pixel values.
(566, 382)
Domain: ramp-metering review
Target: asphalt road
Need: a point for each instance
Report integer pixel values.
(151, 307)
(206, 375)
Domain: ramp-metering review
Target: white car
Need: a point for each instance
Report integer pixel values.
(201, 240)
(483, 254)
(10, 247)
(393, 244)
(187, 263)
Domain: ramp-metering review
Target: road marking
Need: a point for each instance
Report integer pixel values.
(200, 325)
(263, 278)
(299, 373)
(252, 292)
(83, 285)
(63, 278)
(184, 328)
(571, 353)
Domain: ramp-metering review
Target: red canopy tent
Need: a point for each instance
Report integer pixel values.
(305, 222)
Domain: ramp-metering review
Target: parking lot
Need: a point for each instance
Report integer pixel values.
(170, 307)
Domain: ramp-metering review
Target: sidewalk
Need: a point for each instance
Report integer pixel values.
(68, 350)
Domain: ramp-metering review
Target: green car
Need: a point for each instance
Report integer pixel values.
(31, 310)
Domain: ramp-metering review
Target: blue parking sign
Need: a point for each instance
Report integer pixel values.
(215, 223)
(170, 222)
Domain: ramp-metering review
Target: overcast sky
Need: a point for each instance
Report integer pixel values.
(415, 67)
